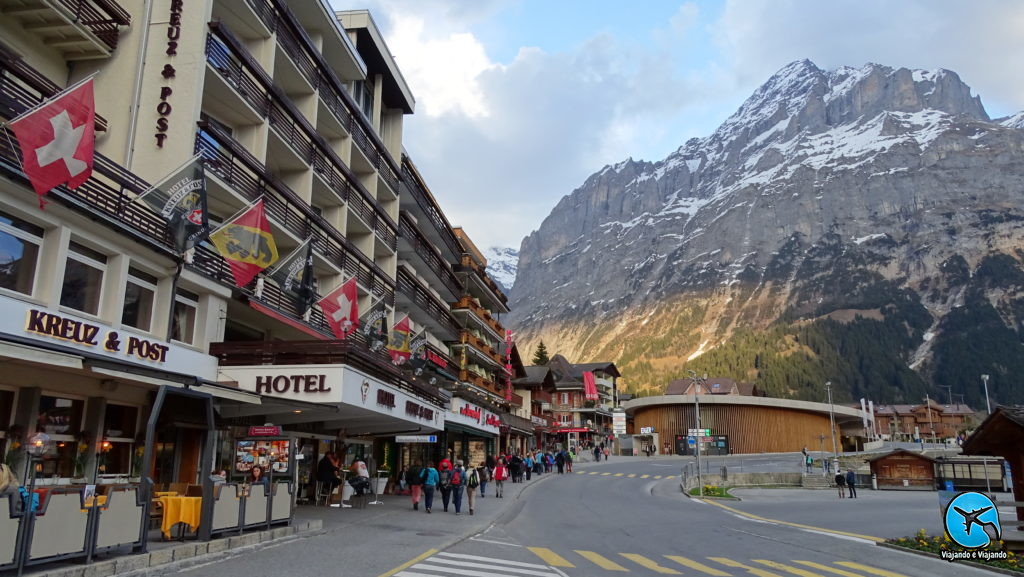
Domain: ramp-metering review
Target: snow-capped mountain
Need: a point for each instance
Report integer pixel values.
(859, 194)
(501, 265)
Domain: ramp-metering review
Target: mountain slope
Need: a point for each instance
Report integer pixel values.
(833, 205)
(501, 265)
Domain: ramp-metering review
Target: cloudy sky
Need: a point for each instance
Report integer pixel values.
(518, 101)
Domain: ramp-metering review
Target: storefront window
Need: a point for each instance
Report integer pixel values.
(19, 253)
(138, 300)
(6, 409)
(185, 306)
(83, 279)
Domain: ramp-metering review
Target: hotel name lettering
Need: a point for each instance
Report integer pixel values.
(415, 410)
(65, 329)
(294, 383)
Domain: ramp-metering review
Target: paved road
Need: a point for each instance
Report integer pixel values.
(626, 516)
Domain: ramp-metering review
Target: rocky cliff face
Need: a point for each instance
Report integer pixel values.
(829, 201)
(501, 265)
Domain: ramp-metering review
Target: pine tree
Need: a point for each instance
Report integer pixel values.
(540, 356)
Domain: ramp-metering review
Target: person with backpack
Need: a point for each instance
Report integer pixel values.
(473, 482)
(485, 476)
(414, 478)
(500, 475)
(430, 478)
(528, 465)
(444, 484)
(570, 456)
(458, 485)
(841, 484)
(560, 462)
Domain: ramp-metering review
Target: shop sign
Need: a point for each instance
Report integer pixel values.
(573, 430)
(419, 411)
(436, 359)
(164, 108)
(493, 421)
(471, 415)
(17, 317)
(265, 431)
(537, 420)
(469, 411)
(385, 398)
(268, 384)
(647, 430)
(415, 438)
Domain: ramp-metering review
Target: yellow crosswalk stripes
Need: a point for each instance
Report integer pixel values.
(794, 570)
(601, 561)
(645, 562)
(605, 474)
(752, 570)
(657, 476)
(697, 565)
(644, 476)
(821, 567)
(618, 474)
(550, 557)
(593, 472)
(868, 569)
(631, 475)
(582, 473)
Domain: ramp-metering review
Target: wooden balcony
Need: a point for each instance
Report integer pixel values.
(79, 29)
(539, 396)
(468, 376)
(468, 338)
(22, 84)
(467, 303)
(470, 266)
(352, 351)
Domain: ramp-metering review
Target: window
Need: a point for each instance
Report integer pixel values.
(565, 419)
(362, 93)
(118, 456)
(138, 300)
(83, 279)
(185, 306)
(19, 253)
(565, 398)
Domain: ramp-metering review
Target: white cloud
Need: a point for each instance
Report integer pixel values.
(685, 18)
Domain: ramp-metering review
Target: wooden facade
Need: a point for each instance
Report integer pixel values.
(751, 429)
(904, 470)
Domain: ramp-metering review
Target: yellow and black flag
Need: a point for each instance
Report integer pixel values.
(247, 244)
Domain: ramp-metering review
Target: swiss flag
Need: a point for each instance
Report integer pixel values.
(341, 309)
(57, 140)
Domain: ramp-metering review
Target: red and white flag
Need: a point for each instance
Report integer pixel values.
(590, 386)
(341, 309)
(57, 139)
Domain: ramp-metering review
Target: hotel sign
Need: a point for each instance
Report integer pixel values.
(73, 332)
(471, 415)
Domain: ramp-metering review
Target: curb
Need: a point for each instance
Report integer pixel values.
(1010, 572)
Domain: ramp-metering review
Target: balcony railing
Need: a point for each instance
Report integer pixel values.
(102, 18)
(468, 376)
(467, 303)
(428, 254)
(467, 264)
(352, 351)
(539, 396)
(297, 44)
(409, 286)
(229, 161)
(229, 57)
(480, 345)
(412, 185)
(20, 83)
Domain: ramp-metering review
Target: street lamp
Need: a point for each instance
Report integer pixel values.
(832, 421)
(988, 405)
(37, 446)
(696, 402)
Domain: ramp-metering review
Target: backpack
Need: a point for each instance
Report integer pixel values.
(500, 473)
(414, 476)
(456, 477)
(474, 478)
(444, 478)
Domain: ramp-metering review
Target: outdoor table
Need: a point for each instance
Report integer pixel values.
(165, 493)
(98, 500)
(176, 510)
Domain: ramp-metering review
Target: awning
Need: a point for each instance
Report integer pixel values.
(457, 428)
(35, 354)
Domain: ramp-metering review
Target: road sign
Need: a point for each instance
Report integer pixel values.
(698, 432)
(416, 438)
(691, 441)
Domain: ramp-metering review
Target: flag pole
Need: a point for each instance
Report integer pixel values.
(235, 216)
(174, 297)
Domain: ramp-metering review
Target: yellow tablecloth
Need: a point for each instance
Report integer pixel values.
(100, 500)
(180, 510)
(165, 493)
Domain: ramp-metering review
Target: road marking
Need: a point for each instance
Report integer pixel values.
(798, 525)
(867, 569)
(601, 561)
(657, 476)
(581, 473)
(619, 474)
(631, 475)
(414, 561)
(460, 567)
(829, 569)
(645, 562)
(492, 560)
(593, 472)
(697, 565)
(644, 476)
(794, 570)
(752, 570)
(550, 557)
(605, 474)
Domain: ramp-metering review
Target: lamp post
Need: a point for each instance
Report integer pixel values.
(821, 445)
(832, 421)
(988, 405)
(38, 444)
(696, 402)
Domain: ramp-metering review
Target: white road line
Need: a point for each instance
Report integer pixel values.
(446, 570)
(492, 560)
(469, 566)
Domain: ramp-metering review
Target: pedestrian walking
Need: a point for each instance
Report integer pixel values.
(809, 461)
(414, 478)
(851, 483)
(560, 462)
(500, 475)
(528, 466)
(570, 456)
(430, 480)
(485, 477)
(841, 484)
(473, 483)
(458, 485)
(444, 484)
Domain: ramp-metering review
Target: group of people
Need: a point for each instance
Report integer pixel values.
(328, 472)
(849, 481)
(454, 480)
